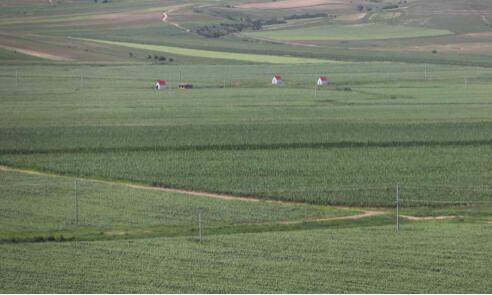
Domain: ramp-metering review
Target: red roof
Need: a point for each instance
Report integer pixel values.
(278, 77)
(162, 82)
(323, 78)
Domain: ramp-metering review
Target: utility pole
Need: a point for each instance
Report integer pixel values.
(397, 207)
(76, 204)
(200, 225)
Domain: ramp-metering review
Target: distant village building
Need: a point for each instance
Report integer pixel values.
(277, 80)
(161, 85)
(322, 81)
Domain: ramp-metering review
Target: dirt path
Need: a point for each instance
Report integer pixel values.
(416, 218)
(364, 214)
(485, 20)
(165, 17)
(226, 197)
(39, 54)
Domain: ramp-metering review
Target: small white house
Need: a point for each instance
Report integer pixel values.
(160, 85)
(277, 80)
(322, 81)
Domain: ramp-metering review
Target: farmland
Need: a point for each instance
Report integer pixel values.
(348, 33)
(430, 257)
(236, 185)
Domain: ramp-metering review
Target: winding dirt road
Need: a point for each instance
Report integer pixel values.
(165, 18)
(226, 197)
(363, 214)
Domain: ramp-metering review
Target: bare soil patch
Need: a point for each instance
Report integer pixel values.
(40, 54)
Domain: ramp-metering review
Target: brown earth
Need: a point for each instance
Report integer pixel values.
(39, 54)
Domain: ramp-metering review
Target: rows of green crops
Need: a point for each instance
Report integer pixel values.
(426, 125)
(436, 257)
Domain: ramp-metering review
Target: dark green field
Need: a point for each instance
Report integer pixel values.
(238, 186)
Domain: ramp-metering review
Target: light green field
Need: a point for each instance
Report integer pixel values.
(254, 58)
(348, 33)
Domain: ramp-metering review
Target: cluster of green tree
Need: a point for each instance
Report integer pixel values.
(223, 29)
(306, 15)
(160, 58)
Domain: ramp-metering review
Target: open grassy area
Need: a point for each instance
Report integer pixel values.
(369, 31)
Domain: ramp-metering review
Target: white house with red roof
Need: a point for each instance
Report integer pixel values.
(322, 81)
(160, 85)
(277, 80)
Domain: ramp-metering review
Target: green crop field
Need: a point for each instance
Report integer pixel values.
(428, 258)
(204, 139)
(348, 32)
(237, 185)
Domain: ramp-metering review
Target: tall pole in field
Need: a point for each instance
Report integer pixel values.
(16, 77)
(200, 225)
(76, 204)
(466, 86)
(397, 207)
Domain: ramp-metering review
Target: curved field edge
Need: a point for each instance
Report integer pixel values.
(256, 58)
